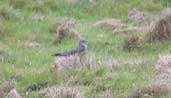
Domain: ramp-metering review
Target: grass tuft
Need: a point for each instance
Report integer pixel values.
(160, 29)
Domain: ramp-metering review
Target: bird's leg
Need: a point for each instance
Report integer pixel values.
(82, 58)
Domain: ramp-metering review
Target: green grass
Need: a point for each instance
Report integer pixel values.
(32, 67)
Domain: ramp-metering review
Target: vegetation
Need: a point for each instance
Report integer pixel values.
(23, 21)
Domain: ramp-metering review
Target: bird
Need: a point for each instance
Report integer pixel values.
(80, 49)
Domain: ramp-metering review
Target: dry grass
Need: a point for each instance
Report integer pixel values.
(110, 24)
(157, 31)
(110, 64)
(65, 28)
(162, 80)
(87, 61)
(69, 22)
(66, 33)
(9, 13)
(161, 83)
(73, 62)
(160, 29)
(106, 94)
(62, 92)
(136, 16)
(32, 44)
(13, 94)
(4, 12)
(132, 43)
(145, 92)
(6, 87)
(130, 29)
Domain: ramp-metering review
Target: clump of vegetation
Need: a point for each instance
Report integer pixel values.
(18, 3)
(4, 13)
(160, 29)
(73, 62)
(6, 87)
(106, 94)
(62, 92)
(36, 87)
(132, 43)
(8, 13)
(65, 29)
(145, 92)
(162, 80)
(69, 22)
(110, 24)
(13, 94)
(136, 16)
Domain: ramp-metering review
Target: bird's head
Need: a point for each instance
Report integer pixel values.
(83, 41)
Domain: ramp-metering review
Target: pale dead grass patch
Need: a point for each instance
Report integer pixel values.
(13, 94)
(62, 92)
(6, 87)
(110, 24)
(73, 62)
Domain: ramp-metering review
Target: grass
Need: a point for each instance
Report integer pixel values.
(32, 67)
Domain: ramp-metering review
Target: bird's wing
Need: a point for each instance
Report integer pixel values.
(71, 52)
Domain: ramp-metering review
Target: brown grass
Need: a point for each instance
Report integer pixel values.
(145, 92)
(6, 87)
(13, 94)
(9, 13)
(110, 24)
(66, 33)
(132, 43)
(69, 22)
(65, 28)
(160, 29)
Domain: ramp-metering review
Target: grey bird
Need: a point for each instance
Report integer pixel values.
(80, 49)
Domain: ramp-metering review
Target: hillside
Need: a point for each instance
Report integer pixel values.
(27, 45)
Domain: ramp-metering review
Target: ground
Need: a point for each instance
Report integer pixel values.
(32, 67)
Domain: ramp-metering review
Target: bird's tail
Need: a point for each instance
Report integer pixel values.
(57, 54)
